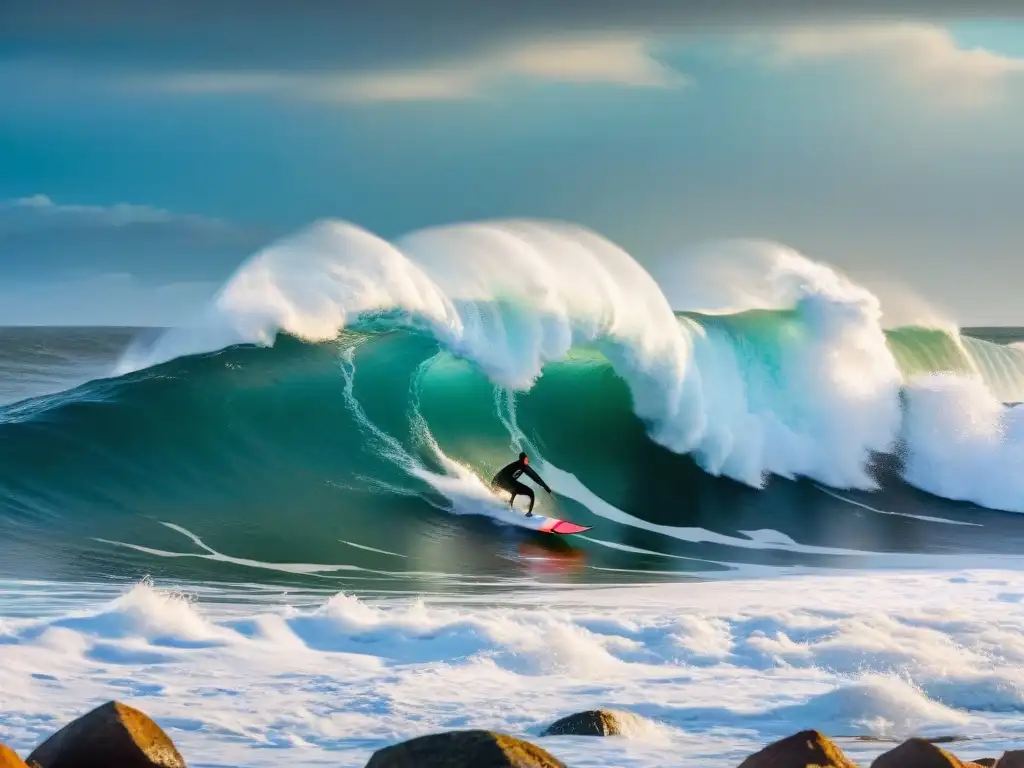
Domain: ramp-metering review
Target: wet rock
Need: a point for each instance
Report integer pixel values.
(1014, 759)
(111, 736)
(918, 753)
(807, 748)
(9, 758)
(593, 722)
(464, 749)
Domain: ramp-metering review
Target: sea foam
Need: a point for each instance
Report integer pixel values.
(708, 671)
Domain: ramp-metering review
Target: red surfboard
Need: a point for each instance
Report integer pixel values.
(553, 525)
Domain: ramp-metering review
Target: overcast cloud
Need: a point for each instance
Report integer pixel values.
(320, 36)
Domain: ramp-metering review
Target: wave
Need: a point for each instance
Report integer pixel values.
(798, 379)
(401, 375)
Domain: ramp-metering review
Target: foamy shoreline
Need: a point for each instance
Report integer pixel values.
(715, 671)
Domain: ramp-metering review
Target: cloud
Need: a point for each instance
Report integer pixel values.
(625, 61)
(405, 50)
(104, 299)
(43, 239)
(398, 49)
(619, 61)
(920, 55)
(39, 211)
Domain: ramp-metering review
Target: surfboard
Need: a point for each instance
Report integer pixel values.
(553, 525)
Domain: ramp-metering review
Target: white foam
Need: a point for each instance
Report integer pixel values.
(372, 549)
(882, 707)
(709, 671)
(208, 553)
(962, 443)
(321, 570)
(569, 485)
(876, 510)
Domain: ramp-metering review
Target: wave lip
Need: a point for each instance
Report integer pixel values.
(508, 296)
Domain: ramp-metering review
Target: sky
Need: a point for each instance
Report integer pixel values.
(147, 148)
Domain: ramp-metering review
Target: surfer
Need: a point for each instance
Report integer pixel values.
(507, 480)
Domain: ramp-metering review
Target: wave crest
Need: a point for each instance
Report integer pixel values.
(812, 396)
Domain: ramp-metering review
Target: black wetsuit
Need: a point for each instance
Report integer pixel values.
(507, 480)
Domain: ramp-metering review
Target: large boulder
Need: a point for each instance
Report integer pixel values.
(464, 749)
(984, 762)
(111, 736)
(593, 722)
(919, 753)
(801, 750)
(9, 758)
(1014, 759)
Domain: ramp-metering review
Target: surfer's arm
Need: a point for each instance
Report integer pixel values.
(537, 479)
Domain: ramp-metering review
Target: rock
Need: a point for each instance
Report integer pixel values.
(807, 748)
(593, 722)
(918, 753)
(984, 762)
(9, 758)
(111, 736)
(464, 749)
(1014, 759)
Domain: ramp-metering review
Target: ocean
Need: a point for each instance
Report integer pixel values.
(269, 527)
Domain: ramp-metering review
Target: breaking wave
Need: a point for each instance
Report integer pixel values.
(798, 378)
(408, 370)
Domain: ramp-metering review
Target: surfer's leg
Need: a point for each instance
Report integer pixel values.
(528, 492)
(499, 487)
(518, 489)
